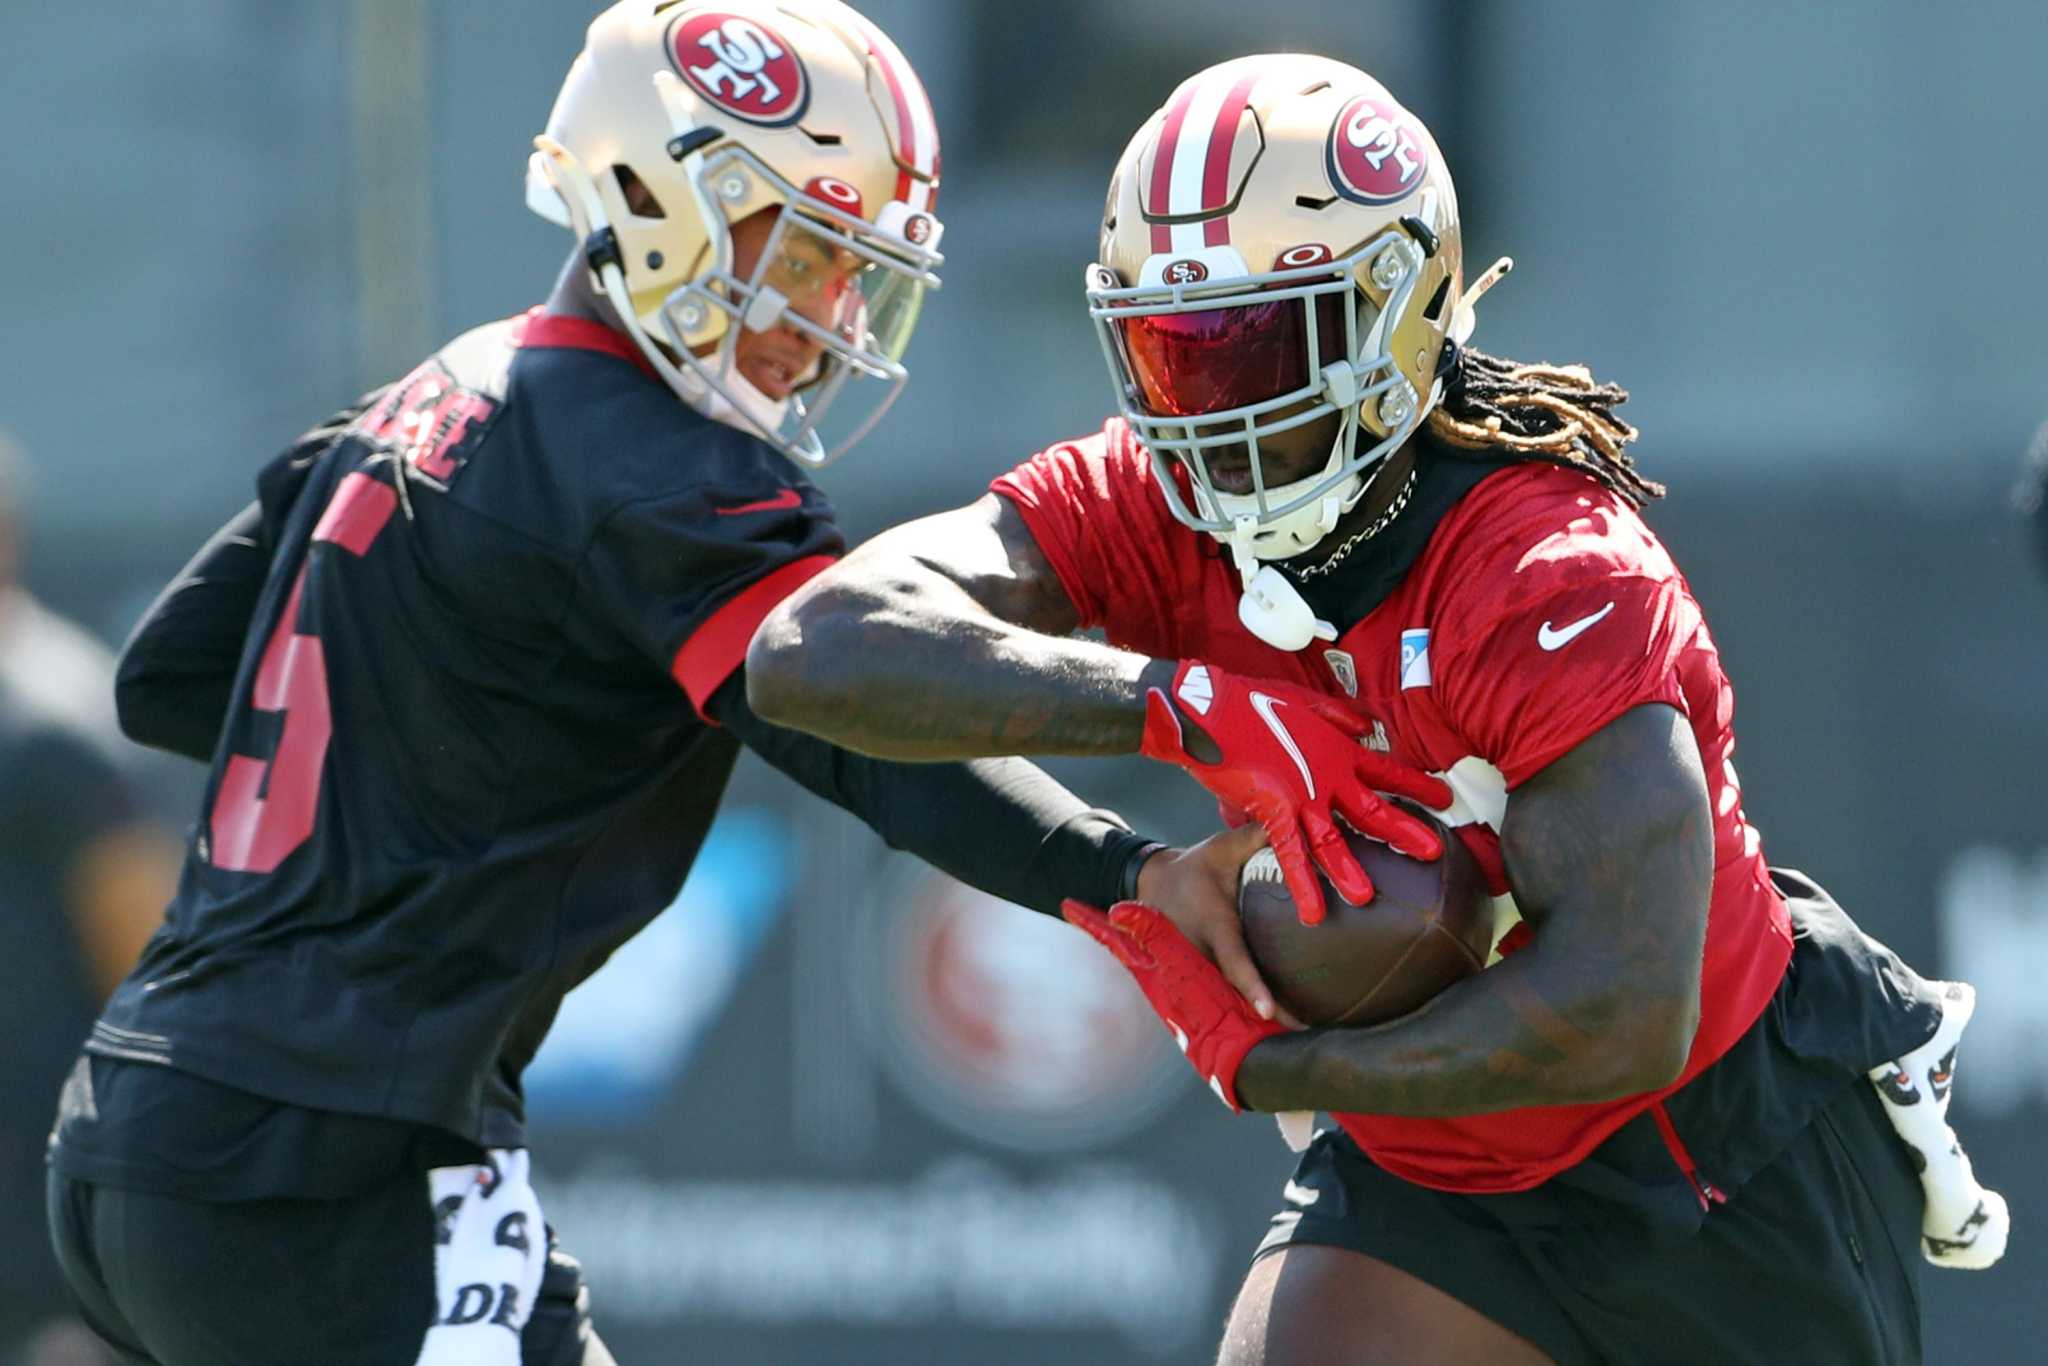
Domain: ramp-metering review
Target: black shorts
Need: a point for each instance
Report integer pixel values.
(340, 1282)
(1815, 1259)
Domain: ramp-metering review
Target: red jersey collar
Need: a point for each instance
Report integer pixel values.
(541, 329)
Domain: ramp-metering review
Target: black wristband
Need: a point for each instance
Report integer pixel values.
(1127, 886)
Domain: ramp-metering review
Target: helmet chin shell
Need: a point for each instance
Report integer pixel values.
(1318, 501)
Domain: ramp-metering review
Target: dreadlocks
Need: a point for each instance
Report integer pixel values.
(1558, 413)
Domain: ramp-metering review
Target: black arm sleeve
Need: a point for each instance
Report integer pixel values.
(1002, 825)
(178, 668)
(177, 671)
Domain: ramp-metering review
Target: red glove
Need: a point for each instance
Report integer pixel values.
(1210, 1021)
(1290, 757)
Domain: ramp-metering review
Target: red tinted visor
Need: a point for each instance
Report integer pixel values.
(1186, 364)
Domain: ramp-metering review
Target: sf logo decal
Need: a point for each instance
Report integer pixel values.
(741, 66)
(1376, 138)
(1376, 153)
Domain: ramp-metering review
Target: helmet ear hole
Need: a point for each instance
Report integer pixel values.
(640, 200)
(1436, 300)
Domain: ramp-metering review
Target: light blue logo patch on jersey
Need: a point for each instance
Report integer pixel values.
(1414, 659)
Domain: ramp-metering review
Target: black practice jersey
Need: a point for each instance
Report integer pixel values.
(456, 769)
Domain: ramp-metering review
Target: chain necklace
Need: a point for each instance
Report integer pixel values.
(1370, 530)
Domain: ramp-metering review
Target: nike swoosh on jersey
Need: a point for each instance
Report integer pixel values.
(1557, 639)
(1264, 705)
(788, 498)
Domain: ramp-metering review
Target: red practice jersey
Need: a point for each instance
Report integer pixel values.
(1540, 609)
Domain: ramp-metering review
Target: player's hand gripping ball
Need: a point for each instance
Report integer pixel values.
(1428, 925)
(1207, 1018)
(1291, 759)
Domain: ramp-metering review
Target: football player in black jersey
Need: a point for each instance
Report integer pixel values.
(468, 673)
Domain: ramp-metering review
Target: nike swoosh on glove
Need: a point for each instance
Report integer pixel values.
(1210, 1021)
(1291, 757)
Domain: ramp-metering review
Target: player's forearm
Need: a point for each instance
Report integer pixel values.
(1503, 1040)
(912, 668)
(1611, 853)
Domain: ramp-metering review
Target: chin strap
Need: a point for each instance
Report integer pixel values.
(1487, 280)
(739, 404)
(1465, 317)
(1272, 608)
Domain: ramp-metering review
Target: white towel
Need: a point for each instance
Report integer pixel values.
(490, 1247)
(1965, 1225)
(1297, 1127)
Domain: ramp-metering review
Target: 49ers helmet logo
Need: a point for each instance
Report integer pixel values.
(1377, 152)
(1184, 272)
(742, 66)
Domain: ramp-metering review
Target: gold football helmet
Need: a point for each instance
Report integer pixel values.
(1280, 245)
(682, 117)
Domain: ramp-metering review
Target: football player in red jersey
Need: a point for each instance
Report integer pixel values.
(1322, 516)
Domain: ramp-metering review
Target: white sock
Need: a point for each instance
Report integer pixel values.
(1965, 1225)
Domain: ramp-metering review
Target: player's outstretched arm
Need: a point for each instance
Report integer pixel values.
(1007, 827)
(177, 671)
(942, 639)
(947, 638)
(1610, 851)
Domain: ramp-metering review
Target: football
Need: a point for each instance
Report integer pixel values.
(1427, 926)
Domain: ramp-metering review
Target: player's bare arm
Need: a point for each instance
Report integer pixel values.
(936, 641)
(919, 635)
(946, 638)
(1610, 852)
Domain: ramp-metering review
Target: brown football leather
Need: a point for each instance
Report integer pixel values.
(1427, 926)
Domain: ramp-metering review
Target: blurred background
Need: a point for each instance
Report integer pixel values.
(869, 1119)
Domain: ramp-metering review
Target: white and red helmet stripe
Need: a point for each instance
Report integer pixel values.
(1191, 168)
(917, 129)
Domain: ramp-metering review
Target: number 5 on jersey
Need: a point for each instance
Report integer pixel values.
(265, 808)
